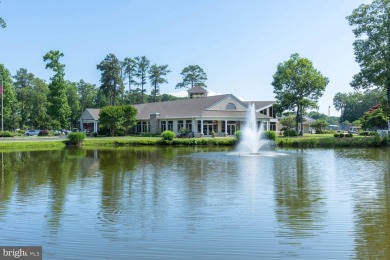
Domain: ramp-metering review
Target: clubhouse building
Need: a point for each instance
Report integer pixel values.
(200, 114)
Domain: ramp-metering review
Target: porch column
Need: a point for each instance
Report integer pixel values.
(95, 127)
(226, 133)
(175, 126)
(201, 128)
(81, 125)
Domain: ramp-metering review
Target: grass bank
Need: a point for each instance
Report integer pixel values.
(329, 141)
(22, 144)
(307, 141)
(139, 141)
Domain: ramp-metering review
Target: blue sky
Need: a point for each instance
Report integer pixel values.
(237, 43)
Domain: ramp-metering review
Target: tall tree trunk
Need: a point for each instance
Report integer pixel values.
(297, 120)
(388, 104)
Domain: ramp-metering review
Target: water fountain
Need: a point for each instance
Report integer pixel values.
(251, 139)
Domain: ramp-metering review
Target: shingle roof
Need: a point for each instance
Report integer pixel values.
(177, 108)
(259, 104)
(186, 108)
(91, 113)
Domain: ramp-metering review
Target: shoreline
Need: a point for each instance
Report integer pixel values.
(283, 142)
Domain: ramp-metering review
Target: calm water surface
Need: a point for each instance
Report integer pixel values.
(197, 203)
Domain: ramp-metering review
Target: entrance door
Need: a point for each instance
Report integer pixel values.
(207, 129)
(231, 128)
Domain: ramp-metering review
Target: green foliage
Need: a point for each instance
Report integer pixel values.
(129, 67)
(331, 120)
(193, 75)
(297, 86)
(112, 118)
(111, 80)
(58, 103)
(319, 125)
(87, 95)
(289, 133)
(76, 138)
(142, 69)
(73, 103)
(156, 78)
(269, 135)
(10, 105)
(129, 117)
(237, 134)
(353, 105)
(370, 25)
(340, 135)
(288, 121)
(374, 119)
(184, 132)
(2, 23)
(6, 134)
(168, 135)
(117, 117)
(367, 133)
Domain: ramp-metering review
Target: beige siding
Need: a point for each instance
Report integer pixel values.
(222, 104)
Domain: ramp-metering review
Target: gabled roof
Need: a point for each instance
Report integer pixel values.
(187, 108)
(259, 105)
(91, 114)
(177, 108)
(213, 106)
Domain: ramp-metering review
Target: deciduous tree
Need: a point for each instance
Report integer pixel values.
(297, 86)
(23, 87)
(371, 26)
(74, 103)
(87, 93)
(10, 107)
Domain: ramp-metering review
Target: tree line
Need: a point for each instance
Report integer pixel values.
(30, 102)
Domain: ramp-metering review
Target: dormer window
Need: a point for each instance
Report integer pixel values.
(231, 106)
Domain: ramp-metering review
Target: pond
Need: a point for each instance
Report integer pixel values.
(197, 203)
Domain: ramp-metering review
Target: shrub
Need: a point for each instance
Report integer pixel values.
(289, 132)
(120, 132)
(168, 135)
(76, 138)
(269, 135)
(237, 134)
(6, 134)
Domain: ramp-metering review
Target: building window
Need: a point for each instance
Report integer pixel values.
(170, 125)
(189, 124)
(272, 126)
(180, 124)
(231, 106)
(163, 126)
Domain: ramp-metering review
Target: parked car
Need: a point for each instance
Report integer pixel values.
(32, 132)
